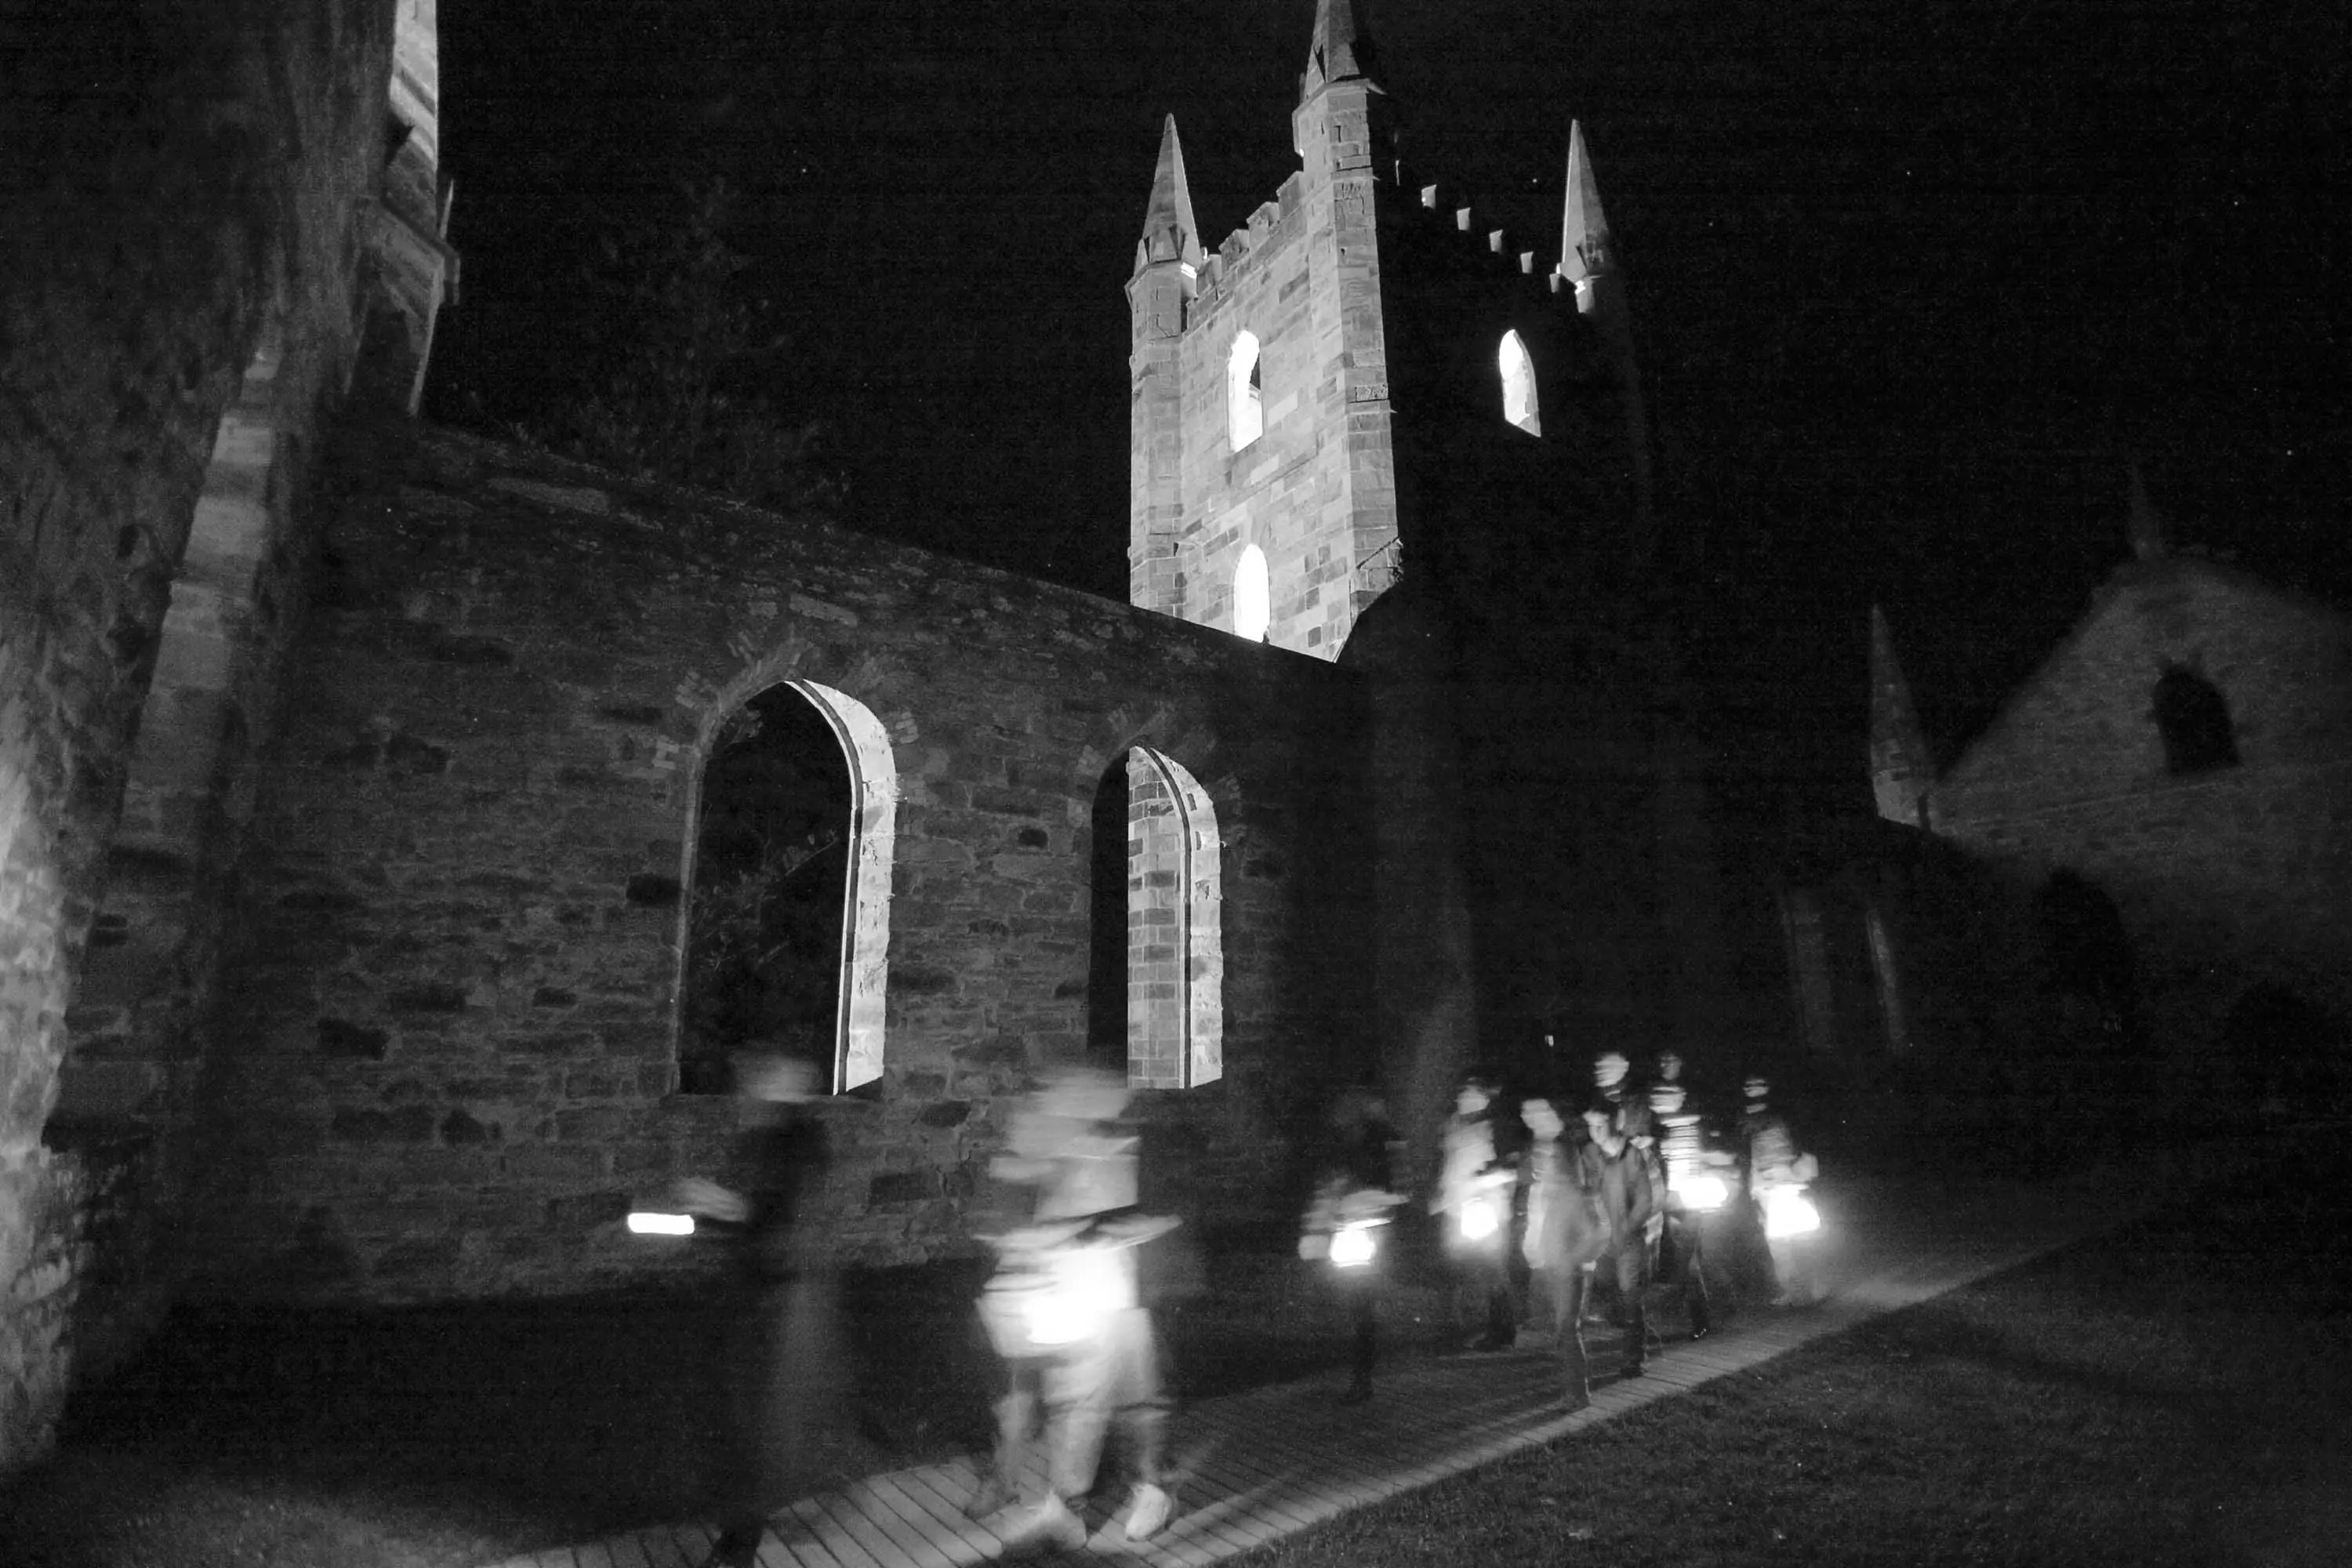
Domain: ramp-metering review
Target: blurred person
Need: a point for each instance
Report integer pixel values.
(1696, 1188)
(1618, 1173)
(1063, 1310)
(1568, 1231)
(1354, 1196)
(1778, 1175)
(786, 1356)
(1474, 1206)
(1629, 1108)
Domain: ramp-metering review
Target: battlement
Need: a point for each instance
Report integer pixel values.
(1433, 208)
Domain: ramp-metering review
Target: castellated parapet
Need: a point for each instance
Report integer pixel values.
(1273, 379)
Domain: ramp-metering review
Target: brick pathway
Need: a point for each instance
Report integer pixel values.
(1252, 1467)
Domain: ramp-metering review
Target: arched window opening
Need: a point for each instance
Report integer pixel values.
(1245, 392)
(1253, 595)
(1518, 384)
(1174, 950)
(2193, 718)
(787, 920)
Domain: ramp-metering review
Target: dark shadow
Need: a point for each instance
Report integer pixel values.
(771, 869)
(2193, 718)
(1107, 933)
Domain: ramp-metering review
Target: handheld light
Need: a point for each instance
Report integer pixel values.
(648, 1222)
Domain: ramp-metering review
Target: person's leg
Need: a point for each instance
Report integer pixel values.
(1692, 1259)
(1016, 1423)
(1363, 1318)
(1568, 1286)
(1142, 1414)
(1637, 1324)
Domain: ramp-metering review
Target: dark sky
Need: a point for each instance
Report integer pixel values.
(1912, 280)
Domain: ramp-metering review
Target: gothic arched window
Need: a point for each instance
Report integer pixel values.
(1245, 392)
(786, 924)
(2193, 718)
(1170, 963)
(1518, 384)
(1253, 595)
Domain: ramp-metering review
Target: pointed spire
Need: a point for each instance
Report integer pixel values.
(1585, 252)
(1342, 47)
(1170, 232)
(1901, 772)
(2147, 524)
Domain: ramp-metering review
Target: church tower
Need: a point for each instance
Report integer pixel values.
(1365, 382)
(1263, 497)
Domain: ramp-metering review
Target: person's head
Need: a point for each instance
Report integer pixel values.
(1601, 1125)
(1067, 1104)
(1665, 1097)
(1757, 1089)
(1542, 1118)
(1609, 1068)
(1670, 1066)
(777, 1078)
(1477, 1092)
(1084, 1094)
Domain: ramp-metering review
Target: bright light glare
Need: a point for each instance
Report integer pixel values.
(1352, 1245)
(1252, 596)
(1479, 1220)
(1086, 1287)
(647, 1223)
(1788, 1212)
(1702, 1191)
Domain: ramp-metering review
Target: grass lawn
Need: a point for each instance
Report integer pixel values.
(2179, 1393)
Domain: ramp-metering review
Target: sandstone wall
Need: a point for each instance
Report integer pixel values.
(2224, 878)
(450, 1060)
(180, 175)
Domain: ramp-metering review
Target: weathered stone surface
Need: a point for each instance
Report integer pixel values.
(529, 953)
(194, 173)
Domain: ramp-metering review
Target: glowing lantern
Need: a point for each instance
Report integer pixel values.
(646, 1222)
(1788, 1212)
(1480, 1219)
(1701, 1191)
(1353, 1245)
(1088, 1285)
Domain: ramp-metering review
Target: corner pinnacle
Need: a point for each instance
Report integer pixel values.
(1169, 230)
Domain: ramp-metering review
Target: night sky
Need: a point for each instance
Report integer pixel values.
(1913, 282)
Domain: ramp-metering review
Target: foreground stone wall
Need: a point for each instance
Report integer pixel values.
(179, 176)
(451, 1057)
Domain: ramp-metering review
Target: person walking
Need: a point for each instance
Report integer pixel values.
(1618, 1173)
(1353, 1198)
(785, 1354)
(1778, 1175)
(1065, 1310)
(1474, 1206)
(1568, 1231)
(1693, 1193)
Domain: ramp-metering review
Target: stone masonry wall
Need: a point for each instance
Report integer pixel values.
(177, 175)
(2226, 878)
(451, 1059)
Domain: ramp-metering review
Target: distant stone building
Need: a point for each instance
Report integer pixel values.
(352, 773)
(2170, 794)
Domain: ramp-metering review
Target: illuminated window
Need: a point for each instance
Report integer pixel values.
(1252, 596)
(1245, 394)
(1518, 384)
(2193, 718)
(787, 916)
(1175, 967)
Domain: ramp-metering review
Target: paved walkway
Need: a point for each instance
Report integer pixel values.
(1252, 1467)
